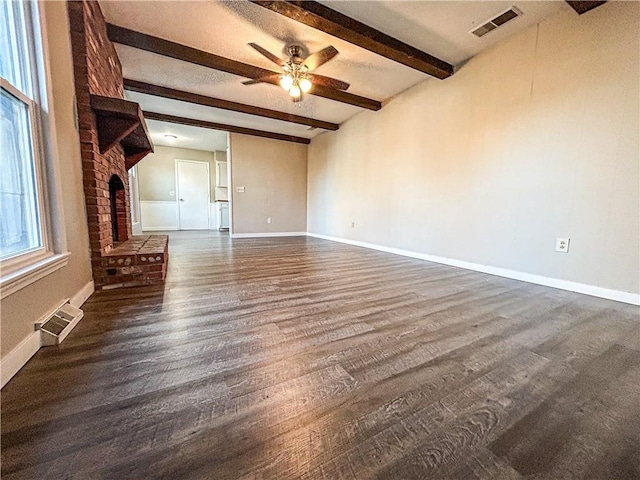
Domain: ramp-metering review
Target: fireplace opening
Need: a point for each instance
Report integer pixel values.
(117, 200)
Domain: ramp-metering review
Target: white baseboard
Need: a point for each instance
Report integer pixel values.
(160, 229)
(268, 234)
(83, 294)
(17, 358)
(617, 295)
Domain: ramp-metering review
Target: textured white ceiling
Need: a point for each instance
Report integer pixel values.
(188, 137)
(440, 28)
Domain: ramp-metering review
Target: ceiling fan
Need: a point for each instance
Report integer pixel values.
(296, 77)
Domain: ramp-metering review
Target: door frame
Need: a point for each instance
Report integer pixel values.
(230, 183)
(177, 161)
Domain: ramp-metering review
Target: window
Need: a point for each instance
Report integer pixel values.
(25, 243)
(19, 212)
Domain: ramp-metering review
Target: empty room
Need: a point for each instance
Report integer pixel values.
(320, 240)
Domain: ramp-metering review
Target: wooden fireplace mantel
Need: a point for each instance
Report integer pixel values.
(121, 121)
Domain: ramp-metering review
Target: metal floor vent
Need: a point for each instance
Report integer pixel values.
(496, 22)
(54, 329)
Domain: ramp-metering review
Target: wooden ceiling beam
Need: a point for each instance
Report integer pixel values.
(161, 117)
(173, 94)
(350, 30)
(583, 6)
(178, 51)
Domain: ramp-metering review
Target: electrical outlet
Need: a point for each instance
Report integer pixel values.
(353, 224)
(239, 189)
(562, 245)
(268, 219)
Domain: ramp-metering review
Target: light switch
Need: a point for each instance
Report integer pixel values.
(239, 189)
(171, 193)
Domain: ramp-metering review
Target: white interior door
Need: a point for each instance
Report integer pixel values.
(193, 194)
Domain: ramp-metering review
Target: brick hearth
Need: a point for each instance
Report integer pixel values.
(141, 260)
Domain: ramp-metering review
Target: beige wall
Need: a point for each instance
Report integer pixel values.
(535, 139)
(274, 174)
(21, 309)
(157, 171)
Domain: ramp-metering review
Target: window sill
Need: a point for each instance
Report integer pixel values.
(17, 280)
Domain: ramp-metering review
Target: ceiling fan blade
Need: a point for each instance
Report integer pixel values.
(267, 79)
(323, 56)
(329, 82)
(267, 54)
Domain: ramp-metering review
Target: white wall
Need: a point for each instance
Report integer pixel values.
(535, 139)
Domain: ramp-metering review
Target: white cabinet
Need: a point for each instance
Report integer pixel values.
(223, 215)
(221, 174)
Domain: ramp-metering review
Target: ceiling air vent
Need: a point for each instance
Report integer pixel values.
(496, 22)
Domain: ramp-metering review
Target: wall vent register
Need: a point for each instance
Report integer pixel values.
(55, 328)
(496, 22)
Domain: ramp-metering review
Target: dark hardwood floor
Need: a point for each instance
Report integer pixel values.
(298, 358)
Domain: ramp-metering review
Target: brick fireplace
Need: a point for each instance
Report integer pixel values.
(113, 138)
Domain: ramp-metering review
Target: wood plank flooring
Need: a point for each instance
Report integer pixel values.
(298, 358)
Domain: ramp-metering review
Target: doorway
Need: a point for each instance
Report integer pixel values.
(193, 192)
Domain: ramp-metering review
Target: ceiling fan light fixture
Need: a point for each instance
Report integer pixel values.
(305, 85)
(295, 77)
(294, 91)
(286, 82)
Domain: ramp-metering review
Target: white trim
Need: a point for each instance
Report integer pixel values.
(230, 184)
(82, 295)
(160, 229)
(269, 234)
(19, 279)
(18, 357)
(617, 295)
(39, 200)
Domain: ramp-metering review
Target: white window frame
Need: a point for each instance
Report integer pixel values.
(34, 254)
(23, 269)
